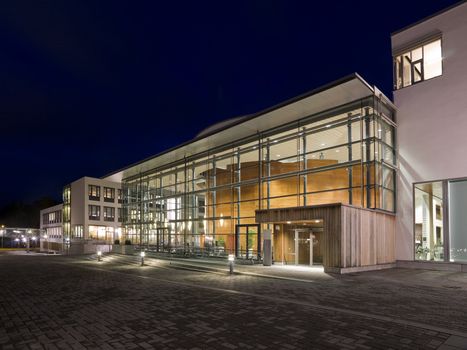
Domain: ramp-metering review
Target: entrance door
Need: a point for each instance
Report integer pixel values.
(162, 239)
(247, 241)
(303, 247)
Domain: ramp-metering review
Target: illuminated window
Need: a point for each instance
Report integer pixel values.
(109, 214)
(94, 212)
(109, 194)
(419, 64)
(94, 192)
(78, 231)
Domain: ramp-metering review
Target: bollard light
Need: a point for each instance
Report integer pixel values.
(142, 254)
(99, 255)
(231, 259)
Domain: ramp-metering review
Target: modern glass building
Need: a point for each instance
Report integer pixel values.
(290, 169)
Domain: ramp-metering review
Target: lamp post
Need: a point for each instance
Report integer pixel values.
(142, 254)
(3, 233)
(47, 242)
(231, 263)
(99, 255)
(26, 242)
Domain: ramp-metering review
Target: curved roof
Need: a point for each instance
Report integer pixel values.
(220, 125)
(337, 93)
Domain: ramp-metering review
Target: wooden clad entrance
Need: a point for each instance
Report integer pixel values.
(351, 237)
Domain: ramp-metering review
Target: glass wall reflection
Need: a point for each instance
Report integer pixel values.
(429, 221)
(458, 220)
(198, 203)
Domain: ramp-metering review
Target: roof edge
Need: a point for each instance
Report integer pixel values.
(319, 89)
(440, 12)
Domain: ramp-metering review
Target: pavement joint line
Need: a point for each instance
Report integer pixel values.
(288, 301)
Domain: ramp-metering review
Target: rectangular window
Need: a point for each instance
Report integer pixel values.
(109, 194)
(120, 217)
(419, 64)
(109, 214)
(458, 221)
(94, 192)
(119, 194)
(429, 221)
(78, 231)
(94, 212)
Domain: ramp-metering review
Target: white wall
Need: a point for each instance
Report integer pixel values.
(432, 119)
(80, 203)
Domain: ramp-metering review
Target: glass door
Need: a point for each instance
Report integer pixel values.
(247, 241)
(163, 240)
(303, 247)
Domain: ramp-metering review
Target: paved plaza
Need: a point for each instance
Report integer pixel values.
(58, 302)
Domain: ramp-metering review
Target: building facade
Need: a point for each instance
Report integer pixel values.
(311, 171)
(89, 218)
(52, 226)
(334, 176)
(430, 71)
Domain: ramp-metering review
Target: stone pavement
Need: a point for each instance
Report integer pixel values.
(57, 302)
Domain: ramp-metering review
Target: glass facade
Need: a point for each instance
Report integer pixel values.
(66, 212)
(429, 207)
(207, 201)
(440, 221)
(458, 221)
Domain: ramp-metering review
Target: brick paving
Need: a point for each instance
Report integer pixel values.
(54, 302)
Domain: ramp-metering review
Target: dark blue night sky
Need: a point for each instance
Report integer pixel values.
(89, 87)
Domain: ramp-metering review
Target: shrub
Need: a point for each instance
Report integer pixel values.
(127, 242)
(117, 241)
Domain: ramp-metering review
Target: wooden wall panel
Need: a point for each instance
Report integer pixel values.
(367, 237)
(352, 236)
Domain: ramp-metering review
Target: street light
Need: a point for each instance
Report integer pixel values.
(231, 263)
(99, 255)
(47, 242)
(26, 242)
(142, 254)
(3, 233)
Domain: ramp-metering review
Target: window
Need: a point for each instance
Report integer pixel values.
(54, 217)
(78, 231)
(429, 221)
(120, 217)
(419, 64)
(119, 194)
(109, 194)
(94, 212)
(458, 220)
(94, 192)
(109, 214)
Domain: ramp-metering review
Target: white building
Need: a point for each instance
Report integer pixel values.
(89, 218)
(430, 71)
(52, 224)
